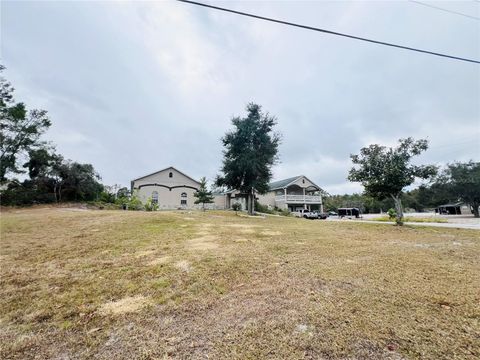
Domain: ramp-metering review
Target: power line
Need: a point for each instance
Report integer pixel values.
(328, 31)
(446, 10)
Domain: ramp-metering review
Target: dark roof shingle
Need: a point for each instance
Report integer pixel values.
(282, 183)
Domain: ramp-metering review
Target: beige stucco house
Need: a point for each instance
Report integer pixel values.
(169, 188)
(172, 189)
(292, 194)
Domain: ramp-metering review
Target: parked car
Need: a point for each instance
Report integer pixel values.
(320, 215)
(304, 213)
(332, 213)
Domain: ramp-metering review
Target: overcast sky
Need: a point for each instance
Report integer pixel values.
(136, 87)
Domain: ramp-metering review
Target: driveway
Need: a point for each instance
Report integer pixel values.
(475, 225)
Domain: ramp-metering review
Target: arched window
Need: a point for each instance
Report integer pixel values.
(155, 197)
(183, 199)
(170, 174)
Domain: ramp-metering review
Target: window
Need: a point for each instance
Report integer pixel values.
(183, 199)
(155, 197)
(170, 174)
(303, 181)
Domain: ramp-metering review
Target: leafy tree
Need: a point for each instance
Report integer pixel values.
(41, 162)
(461, 181)
(123, 193)
(385, 172)
(366, 204)
(78, 182)
(20, 129)
(250, 151)
(203, 195)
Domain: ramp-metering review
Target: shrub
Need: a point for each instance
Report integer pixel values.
(133, 203)
(106, 197)
(237, 206)
(392, 214)
(284, 212)
(150, 205)
(263, 208)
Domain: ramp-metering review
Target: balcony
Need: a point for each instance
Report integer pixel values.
(299, 199)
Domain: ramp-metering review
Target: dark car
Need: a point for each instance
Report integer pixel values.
(350, 212)
(321, 215)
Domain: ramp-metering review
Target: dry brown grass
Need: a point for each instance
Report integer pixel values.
(114, 285)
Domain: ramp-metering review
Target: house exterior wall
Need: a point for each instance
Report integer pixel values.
(167, 199)
(303, 182)
(163, 178)
(219, 201)
(169, 189)
(267, 199)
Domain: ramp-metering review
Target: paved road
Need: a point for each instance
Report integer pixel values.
(445, 225)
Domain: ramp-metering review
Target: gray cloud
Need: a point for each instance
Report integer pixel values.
(135, 87)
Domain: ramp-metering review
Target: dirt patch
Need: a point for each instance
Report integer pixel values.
(125, 305)
(205, 242)
(271, 233)
(242, 226)
(143, 253)
(183, 265)
(159, 261)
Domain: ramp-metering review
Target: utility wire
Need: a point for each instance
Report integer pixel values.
(328, 31)
(446, 10)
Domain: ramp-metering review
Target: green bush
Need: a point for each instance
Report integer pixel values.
(150, 205)
(237, 207)
(284, 212)
(392, 214)
(106, 197)
(133, 203)
(263, 208)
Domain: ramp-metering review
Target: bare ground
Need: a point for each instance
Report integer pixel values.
(135, 285)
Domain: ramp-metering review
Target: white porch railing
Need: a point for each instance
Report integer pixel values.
(299, 199)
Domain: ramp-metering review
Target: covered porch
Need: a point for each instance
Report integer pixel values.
(295, 197)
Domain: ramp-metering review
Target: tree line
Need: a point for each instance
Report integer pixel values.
(250, 151)
(451, 185)
(47, 175)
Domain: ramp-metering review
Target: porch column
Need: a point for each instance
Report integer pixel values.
(285, 204)
(304, 203)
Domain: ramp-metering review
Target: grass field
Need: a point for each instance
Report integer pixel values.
(136, 285)
(412, 219)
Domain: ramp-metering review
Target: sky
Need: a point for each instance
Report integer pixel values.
(135, 87)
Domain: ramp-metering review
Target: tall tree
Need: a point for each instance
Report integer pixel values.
(385, 172)
(461, 181)
(203, 195)
(20, 129)
(78, 182)
(250, 150)
(41, 162)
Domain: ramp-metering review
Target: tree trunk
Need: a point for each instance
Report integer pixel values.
(250, 202)
(475, 206)
(398, 209)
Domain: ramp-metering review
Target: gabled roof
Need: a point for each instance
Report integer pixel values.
(159, 171)
(280, 184)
